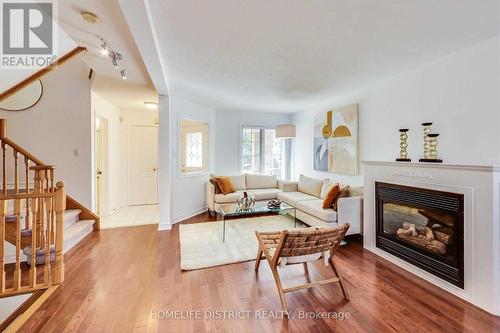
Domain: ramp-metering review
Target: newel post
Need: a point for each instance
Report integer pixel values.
(60, 205)
(3, 128)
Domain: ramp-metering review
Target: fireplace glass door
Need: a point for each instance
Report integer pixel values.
(422, 226)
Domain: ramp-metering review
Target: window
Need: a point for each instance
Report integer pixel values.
(194, 150)
(193, 155)
(261, 152)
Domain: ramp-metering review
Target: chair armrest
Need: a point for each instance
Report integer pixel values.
(210, 195)
(288, 186)
(350, 210)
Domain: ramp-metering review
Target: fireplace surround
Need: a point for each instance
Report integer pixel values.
(480, 187)
(423, 227)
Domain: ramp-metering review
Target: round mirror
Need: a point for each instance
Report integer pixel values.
(24, 98)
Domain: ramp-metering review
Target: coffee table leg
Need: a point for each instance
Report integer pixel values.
(295, 217)
(223, 229)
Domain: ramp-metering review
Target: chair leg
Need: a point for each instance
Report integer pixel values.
(280, 288)
(342, 286)
(259, 257)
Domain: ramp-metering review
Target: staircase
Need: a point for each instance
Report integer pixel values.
(35, 213)
(75, 229)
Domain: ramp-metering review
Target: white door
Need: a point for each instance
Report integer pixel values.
(143, 165)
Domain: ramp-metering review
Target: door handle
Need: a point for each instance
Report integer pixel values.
(155, 169)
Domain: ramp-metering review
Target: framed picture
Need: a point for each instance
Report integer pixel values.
(336, 140)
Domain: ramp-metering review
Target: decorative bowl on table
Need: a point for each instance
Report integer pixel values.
(247, 201)
(274, 204)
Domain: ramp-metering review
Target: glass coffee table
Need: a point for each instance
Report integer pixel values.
(232, 211)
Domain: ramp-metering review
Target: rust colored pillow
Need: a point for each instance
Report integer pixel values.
(331, 196)
(344, 193)
(225, 184)
(217, 188)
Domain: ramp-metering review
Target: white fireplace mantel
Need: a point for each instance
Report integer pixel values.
(480, 186)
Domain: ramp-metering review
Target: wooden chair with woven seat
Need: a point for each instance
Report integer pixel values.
(300, 246)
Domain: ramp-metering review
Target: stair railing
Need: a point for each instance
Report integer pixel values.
(40, 203)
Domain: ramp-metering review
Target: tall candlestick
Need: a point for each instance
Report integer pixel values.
(403, 138)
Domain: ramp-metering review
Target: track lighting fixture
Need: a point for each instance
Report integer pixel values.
(104, 49)
(114, 61)
(115, 57)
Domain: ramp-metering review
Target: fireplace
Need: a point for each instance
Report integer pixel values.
(423, 227)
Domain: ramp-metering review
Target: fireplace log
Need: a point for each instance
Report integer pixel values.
(411, 228)
(422, 239)
(443, 234)
(426, 231)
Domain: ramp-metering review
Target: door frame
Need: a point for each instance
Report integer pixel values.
(130, 159)
(104, 129)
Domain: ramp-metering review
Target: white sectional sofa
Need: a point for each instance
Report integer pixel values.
(306, 196)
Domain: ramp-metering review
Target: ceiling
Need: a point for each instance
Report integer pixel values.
(124, 94)
(285, 56)
(113, 28)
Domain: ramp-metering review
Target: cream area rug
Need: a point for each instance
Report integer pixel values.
(202, 246)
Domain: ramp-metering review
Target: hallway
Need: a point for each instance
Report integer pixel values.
(132, 216)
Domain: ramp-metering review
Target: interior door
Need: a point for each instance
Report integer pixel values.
(144, 165)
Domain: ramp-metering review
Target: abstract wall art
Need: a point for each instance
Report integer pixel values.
(336, 140)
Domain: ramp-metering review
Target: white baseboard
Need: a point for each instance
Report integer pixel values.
(185, 216)
(164, 226)
(118, 225)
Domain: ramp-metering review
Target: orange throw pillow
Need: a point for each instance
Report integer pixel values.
(331, 196)
(225, 184)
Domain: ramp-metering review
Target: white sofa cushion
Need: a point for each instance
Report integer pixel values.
(327, 186)
(292, 198)
(315, 208)
(265, 193)
(311, 186)
(228, 198)
(260, 181)
(239, 182)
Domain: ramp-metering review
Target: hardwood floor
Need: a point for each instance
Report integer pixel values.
(116, 280)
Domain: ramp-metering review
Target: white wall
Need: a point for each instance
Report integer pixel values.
(188, 191)
(58, 128)
(227, 135)
(460, 93)
(165, 163)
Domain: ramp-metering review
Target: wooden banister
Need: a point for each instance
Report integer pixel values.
(21, 150)
(41, 72)
(3, 128)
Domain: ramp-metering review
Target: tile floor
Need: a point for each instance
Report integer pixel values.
(132, 216)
